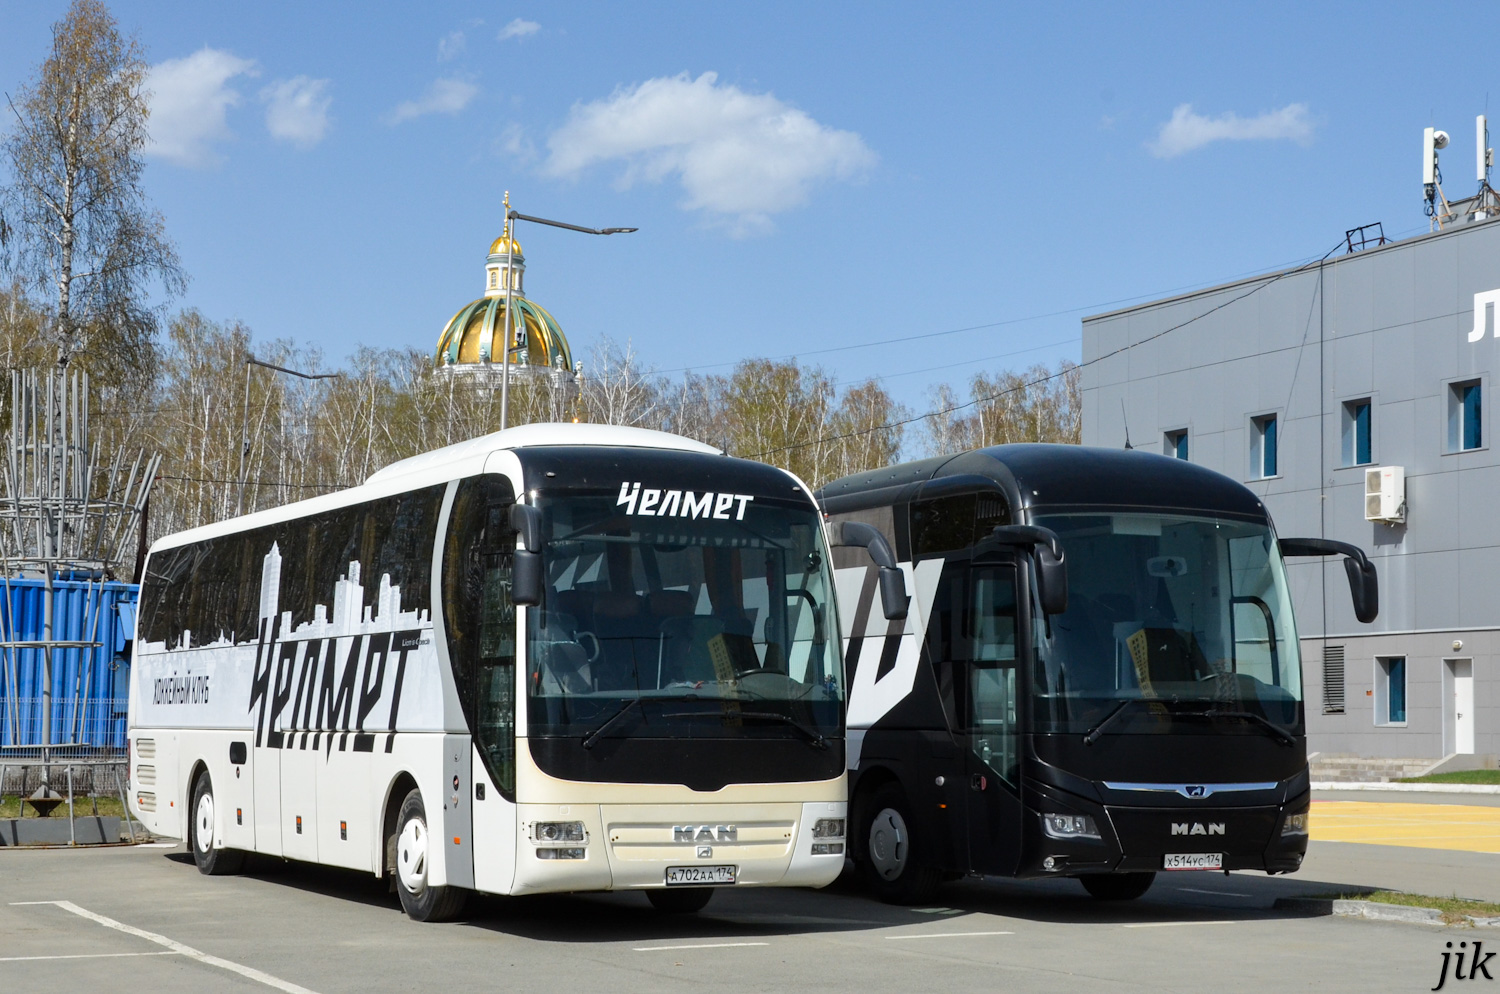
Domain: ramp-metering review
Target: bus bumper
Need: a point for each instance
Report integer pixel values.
(633, 846)
(1133, 839)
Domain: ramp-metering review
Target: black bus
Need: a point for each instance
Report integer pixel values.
(1098, 675)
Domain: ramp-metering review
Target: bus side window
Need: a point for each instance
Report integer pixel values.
(944, 635)
(480, 619)
(992, 669)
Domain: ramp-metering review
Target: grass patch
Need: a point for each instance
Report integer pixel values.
(13, 807)
(1450, 906)
(1457, 776)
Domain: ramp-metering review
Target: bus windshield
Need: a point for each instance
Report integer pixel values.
(1189, 613)
(683, 627)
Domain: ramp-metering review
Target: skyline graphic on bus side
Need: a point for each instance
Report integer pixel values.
(342, 678)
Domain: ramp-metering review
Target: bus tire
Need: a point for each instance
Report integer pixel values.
(212, 862)
(1117, 886)
(894, 858)
(421, 902)
(680, 900)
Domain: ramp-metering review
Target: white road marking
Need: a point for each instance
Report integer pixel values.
(17, 959)
(1173, 924)
(945, 935)
(177, 947)
(703, 945)
(1216, 893)
(159, 845)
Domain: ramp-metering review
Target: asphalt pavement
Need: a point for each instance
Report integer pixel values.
(145, 919)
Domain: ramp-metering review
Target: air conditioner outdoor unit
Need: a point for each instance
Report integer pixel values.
(1385, 494)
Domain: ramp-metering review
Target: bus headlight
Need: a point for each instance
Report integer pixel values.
(1294, 824)
(1069, 826)
(571, 853)
(558, 831)
(828, 828)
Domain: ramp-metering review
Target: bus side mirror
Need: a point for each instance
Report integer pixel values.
(1364, 587)
(526, 573)
(1051, 565)
(893, 596)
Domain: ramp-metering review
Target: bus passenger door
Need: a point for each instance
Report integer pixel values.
(990, 709)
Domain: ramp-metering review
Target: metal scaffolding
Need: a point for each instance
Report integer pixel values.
(66, 513)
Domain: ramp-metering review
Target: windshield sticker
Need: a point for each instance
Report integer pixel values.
(682, 503)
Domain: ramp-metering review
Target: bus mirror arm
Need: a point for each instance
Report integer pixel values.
(526, 574)
(893, 596)
(1364, 587)
(1051, 564)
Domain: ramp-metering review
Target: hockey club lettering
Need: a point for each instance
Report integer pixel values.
(189, 689)
(656, 502)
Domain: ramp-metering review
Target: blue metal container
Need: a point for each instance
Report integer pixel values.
(90, 686)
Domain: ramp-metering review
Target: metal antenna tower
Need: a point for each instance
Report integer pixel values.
(64, 513)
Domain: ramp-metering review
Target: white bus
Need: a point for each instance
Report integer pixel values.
(556, 658)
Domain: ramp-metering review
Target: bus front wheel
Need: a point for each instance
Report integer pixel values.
(414, 851)
(680, 901)
(894, 860)
(1117, 886)
(211, 861)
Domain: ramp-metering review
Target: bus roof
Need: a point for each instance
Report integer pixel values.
(1038, 477)
(441, 465)
(524, 436)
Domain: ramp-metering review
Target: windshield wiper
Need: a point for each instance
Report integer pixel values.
(592, 737)
(814, 737)
(1286, 737)
(1092, 735)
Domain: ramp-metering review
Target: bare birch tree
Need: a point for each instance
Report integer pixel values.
(76, 224)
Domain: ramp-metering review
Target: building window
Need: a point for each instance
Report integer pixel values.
(1465, 416)
(1263, 446)
(1175, 444)
(494, 278)
(1390, 690)
(1356, 435)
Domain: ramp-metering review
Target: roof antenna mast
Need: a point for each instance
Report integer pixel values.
(1127, 424)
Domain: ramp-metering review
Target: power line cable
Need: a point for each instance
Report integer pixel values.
(1051, 376)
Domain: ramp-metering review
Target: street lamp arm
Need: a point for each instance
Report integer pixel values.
(515, 215)
(252, 361)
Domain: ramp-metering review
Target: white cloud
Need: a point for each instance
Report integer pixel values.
(297, 110)
(519, 28)
(443, 96)
(516, 145)
(452, 46)
(189, 100)
(740, 155)
(1187, 131)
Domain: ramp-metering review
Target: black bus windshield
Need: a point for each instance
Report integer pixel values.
(682, 627)
(1190, 614)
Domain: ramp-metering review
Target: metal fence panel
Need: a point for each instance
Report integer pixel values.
(90, 684)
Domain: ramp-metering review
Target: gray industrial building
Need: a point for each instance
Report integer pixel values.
(1300, 383)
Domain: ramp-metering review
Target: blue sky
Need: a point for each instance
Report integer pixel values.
(847, 173)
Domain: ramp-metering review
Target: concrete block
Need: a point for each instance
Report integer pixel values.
(87, 831)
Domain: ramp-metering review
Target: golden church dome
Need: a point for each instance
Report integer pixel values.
(471, 340)
(498, 246)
